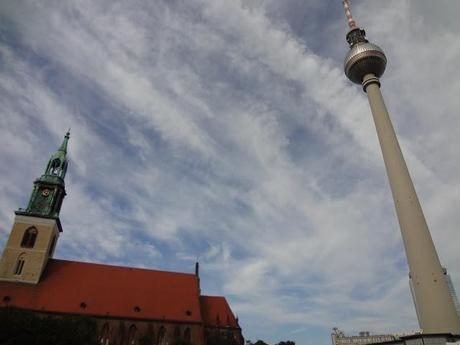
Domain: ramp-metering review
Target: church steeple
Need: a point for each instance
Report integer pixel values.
(57, 165)
(49, 189)
(36, 229)
(63, 147)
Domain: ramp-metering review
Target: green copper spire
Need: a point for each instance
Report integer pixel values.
(63, 147)
(49, 189)
(57, 165)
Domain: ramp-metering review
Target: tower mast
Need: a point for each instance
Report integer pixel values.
(364, 65)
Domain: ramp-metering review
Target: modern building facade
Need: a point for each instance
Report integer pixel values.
(364, 65)
(363, 338)
(128, 304)
(423, 339)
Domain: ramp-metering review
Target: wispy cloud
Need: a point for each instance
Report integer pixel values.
(226, 131)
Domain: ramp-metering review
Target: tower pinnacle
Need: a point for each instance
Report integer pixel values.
(63, 147)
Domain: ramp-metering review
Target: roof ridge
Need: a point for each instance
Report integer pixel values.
(119, 267)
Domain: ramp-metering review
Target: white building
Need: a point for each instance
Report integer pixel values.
(364, 337)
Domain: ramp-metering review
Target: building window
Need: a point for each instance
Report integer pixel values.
(132, 335)
(162, 336)
(53, 242)
(188, 335)
(177, 334)
(28, 240)
(104, 338)
(20, 264)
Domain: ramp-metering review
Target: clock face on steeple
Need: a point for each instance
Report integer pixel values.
(42, 202)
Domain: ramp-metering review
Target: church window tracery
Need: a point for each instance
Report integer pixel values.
(162, 336)
(132, 335)
(104, 339)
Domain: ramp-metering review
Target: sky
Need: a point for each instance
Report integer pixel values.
(225, 132)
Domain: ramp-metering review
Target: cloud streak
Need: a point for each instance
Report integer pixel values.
(226, 131)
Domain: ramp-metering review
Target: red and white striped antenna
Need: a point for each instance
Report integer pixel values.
(351, 22)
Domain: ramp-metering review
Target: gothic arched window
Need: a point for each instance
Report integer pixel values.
(188, 335)
(104, 338)
(132, 335)
(177, 333)
(20, 264)
(56, 166)
(162, 336)
(28, 240)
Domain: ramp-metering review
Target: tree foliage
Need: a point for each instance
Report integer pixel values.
(287, 342)
(21, 327)
(261, 342)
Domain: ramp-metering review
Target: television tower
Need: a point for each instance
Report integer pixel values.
(365, 64)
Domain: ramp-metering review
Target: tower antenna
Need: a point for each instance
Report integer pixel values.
(351, 21)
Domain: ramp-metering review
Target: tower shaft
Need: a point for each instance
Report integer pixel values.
(437, 312)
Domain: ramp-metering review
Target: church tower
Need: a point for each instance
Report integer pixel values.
(36, 229)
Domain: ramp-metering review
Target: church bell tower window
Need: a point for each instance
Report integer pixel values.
(20, 265)
(28, 240)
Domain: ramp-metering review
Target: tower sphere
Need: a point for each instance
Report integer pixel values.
(364, 58)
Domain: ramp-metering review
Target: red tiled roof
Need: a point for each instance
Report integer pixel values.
(216, 312)
(109, 291)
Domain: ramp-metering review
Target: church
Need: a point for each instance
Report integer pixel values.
(127, 303)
